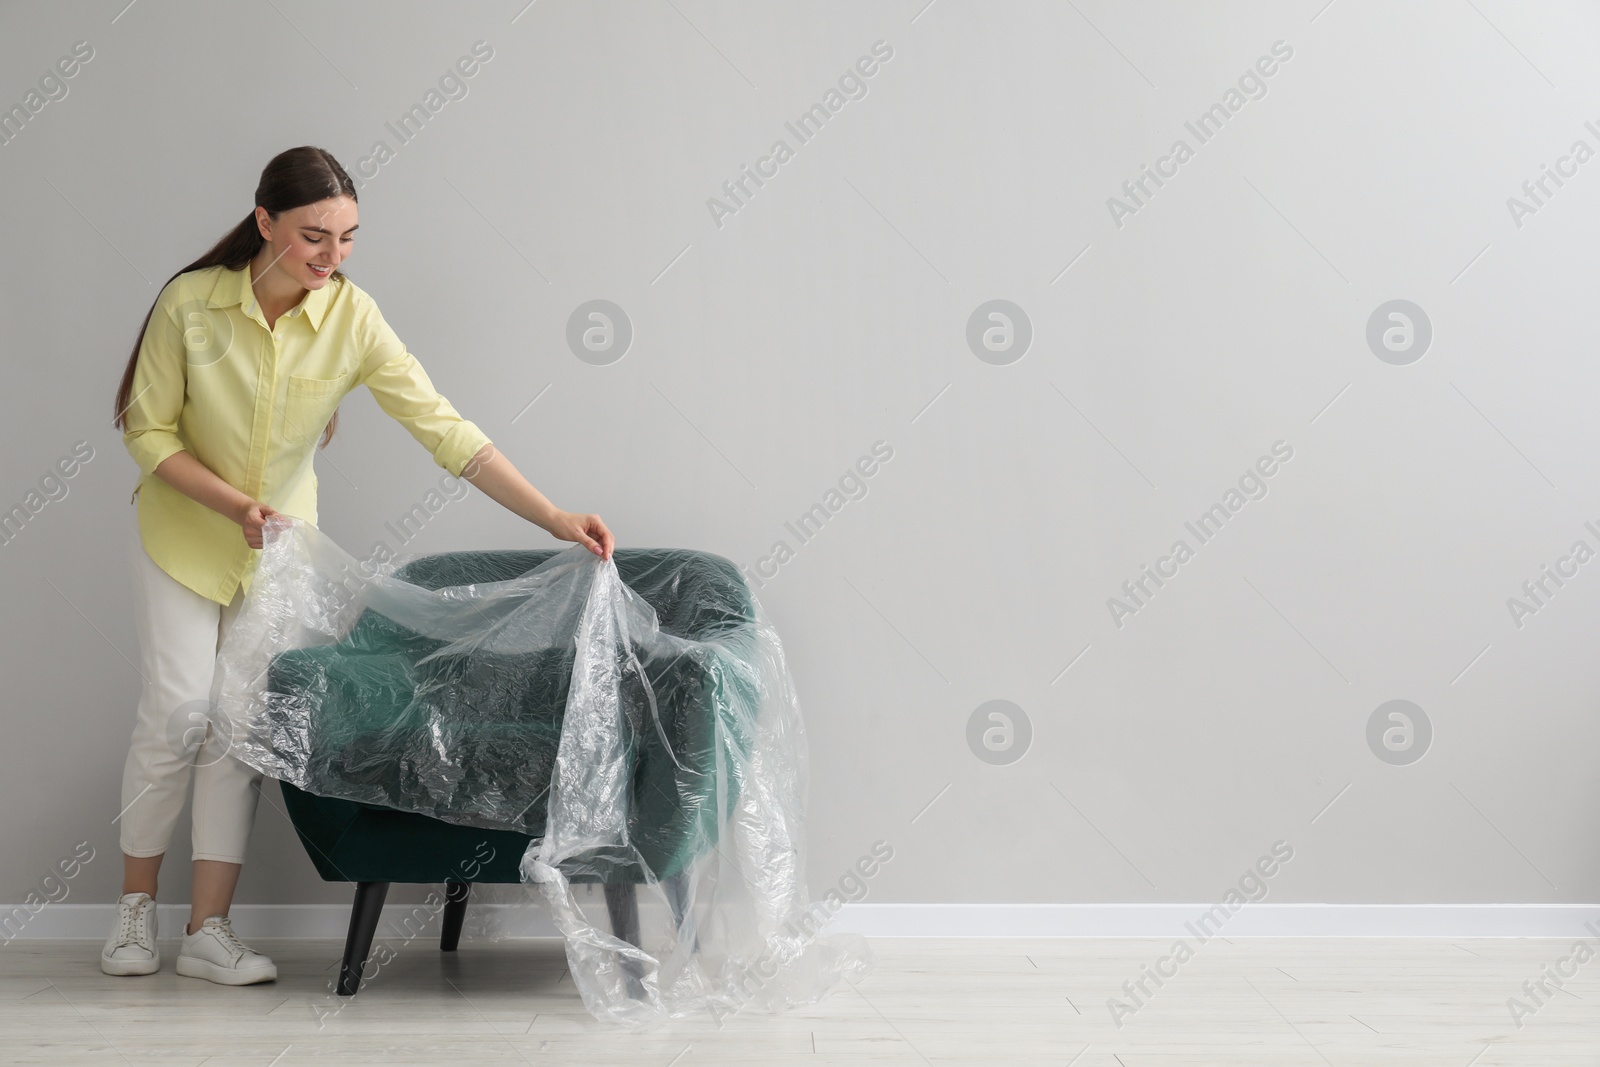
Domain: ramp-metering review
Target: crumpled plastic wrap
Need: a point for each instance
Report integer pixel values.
(555, 703)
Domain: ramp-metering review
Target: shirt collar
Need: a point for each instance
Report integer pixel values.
(233, 288)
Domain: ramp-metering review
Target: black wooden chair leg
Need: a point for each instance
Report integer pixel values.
(358, 943)
(622, 904)
(623, 907)
(680, 897)
(455, 913)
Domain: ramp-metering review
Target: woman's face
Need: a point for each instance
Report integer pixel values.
(309, 242)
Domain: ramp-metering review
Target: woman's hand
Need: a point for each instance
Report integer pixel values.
(587, 530)
(254, 517)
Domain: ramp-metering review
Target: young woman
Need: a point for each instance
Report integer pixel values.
(239, 367)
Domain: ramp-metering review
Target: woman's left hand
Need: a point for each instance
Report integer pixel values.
(587, 530)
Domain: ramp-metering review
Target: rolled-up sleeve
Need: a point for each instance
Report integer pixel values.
(150, 426)
(404, 391)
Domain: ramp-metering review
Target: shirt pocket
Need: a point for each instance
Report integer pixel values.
(308, 405)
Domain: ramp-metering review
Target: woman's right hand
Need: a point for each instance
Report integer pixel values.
(254, 518)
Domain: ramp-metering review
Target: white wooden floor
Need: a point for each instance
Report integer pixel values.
(1267, 1001)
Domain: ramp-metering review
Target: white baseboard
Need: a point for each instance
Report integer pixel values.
(74, 921)
(92, 921)
(1253, 920)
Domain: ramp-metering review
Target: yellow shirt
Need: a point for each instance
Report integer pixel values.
(251, 403)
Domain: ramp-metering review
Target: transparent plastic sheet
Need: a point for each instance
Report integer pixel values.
(551, 700)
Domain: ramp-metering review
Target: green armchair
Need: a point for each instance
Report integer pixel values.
(375, 732)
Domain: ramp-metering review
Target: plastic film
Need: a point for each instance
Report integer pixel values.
(635, 717)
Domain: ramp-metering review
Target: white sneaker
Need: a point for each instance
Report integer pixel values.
(214, 953)
(131, 948)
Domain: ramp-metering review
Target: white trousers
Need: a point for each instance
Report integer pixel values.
(174, 737)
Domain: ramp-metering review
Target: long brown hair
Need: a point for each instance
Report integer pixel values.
(292, 179)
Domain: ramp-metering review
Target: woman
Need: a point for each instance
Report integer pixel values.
(240, 365)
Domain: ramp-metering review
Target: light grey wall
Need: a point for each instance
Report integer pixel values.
(1170, 350)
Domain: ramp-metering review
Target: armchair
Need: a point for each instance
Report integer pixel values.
(373, 692)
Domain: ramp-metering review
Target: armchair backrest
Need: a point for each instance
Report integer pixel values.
(379, 692)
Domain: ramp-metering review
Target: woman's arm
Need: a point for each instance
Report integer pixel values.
(185, 473)
(150, 422)
(492, 472)
(488, 470)
(405, 393)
